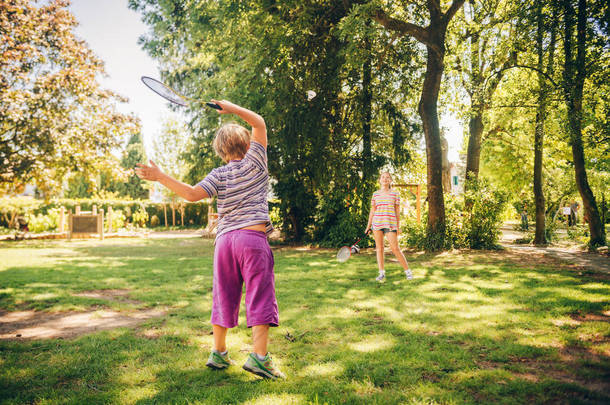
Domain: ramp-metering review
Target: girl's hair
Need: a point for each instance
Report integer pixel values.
(231, 140)
(389, 174)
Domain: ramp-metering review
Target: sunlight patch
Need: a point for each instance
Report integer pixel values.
(281, 399)
(373, 343)
(46, 296)
(322, 370)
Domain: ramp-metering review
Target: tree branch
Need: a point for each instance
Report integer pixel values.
(549, 78)
(402, 27)
(455, 6)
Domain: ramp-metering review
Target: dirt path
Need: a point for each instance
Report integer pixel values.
(573, 255)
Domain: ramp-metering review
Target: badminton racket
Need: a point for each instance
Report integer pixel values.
(346, 251)
(172, 95)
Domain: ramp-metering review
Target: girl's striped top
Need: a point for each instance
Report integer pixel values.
(384, 206)
(241, 187)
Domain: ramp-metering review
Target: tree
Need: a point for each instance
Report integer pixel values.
(54, 117)
(433, 37)
(134, 153)
(544, 72)
(323, 153)
(575, 71)
(483, 50)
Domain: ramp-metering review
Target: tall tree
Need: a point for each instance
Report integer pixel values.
(266, 55)
(575, 72)
(134, 153)
(54, 117)
(544, 72)
(484, 49)
(433, 37)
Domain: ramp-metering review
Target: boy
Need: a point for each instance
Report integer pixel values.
(242, 253)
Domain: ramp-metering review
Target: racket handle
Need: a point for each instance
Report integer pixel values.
(213, 105)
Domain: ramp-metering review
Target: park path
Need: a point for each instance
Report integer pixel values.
(589, 261)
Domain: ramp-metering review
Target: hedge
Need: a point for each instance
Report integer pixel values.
(195, 214)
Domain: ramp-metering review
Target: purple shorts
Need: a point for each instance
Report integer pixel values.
(244, 256)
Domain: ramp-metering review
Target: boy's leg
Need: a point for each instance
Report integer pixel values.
(260, 339)
(220, 338)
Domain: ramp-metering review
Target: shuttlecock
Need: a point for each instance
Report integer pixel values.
(310, 95)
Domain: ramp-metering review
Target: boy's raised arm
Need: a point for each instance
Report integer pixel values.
(259, 129)
(186, 191)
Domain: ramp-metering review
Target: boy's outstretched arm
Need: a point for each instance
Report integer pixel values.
(259, 129)
(186, 191)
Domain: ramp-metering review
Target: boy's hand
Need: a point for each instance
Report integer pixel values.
(227, 107)
(152, 172)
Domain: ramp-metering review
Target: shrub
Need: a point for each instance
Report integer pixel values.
(118, 220)
(139, 218)
(154, 221)
(483, 224)
(413, 233)
(478, 229)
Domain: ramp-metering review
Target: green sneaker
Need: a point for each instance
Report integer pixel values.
(217, 361)
(263, 368)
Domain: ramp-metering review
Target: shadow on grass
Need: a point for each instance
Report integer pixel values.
(476, 330)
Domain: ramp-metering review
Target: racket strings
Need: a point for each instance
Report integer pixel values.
(344, 253)
(164, 91)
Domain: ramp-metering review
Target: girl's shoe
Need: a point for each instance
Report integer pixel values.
(263, 368)
(217, 361)
(380, 278)
(409, 274)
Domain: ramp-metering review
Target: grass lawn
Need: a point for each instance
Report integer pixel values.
(472, 327)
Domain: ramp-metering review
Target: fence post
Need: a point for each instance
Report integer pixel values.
(109, 219)
(100, 223)
(77, 210)
(62, 219)
(94, 209)
(70, 225)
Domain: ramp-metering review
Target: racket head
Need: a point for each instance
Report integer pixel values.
(344, 253)
(164, 91)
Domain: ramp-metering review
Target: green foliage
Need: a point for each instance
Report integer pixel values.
(482, 225)
(479, 229)
(38, 223)
(140, 218)
(55, 118)
(154, 221)
(134, 153)
(138, 213)
(272, 55)
(118, 220)
(11, 208)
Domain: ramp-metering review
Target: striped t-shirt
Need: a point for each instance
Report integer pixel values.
(241, 187)
(384, 206)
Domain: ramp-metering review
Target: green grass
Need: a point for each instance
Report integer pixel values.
(486, 327)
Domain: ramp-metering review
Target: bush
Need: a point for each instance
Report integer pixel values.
(139, 218)
(479, 229)
(43, 223)
(118, 220)
(483, 225)
(413, 233)
(154, 221)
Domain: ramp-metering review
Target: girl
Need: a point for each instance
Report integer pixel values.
(384, 219)
(242, 253)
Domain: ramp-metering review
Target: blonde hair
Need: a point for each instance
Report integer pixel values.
(231, 140)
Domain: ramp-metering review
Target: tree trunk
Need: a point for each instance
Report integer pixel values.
(540, 235)
(475, 127)
(434, 155)
(367, 114)
(574, 77)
